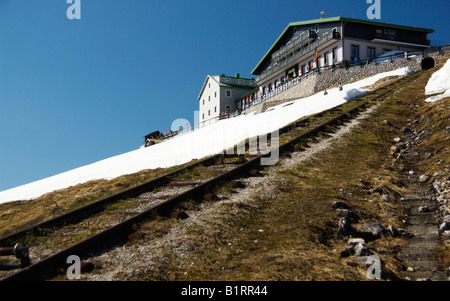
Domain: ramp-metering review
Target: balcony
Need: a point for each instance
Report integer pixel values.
(293, 53)
(298, 39)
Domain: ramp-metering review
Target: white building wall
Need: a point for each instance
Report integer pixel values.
(210, 100)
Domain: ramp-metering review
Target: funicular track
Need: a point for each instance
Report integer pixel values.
(162, 195)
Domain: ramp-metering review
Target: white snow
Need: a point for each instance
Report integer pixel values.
(439, 83)
(210, 140)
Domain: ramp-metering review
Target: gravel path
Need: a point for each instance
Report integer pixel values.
(421, 223)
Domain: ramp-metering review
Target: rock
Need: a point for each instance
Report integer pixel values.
(362, 250)
(423, 178)
(371, 230)
(437, 174)
(355, 241)
(406, 130)
(340, 205)
(397, 139)
(410, 269)
(427, 156)
(387, 198)
(394, 149)
(423, 209)
(345, 228)
(378, 190)
(347, 252)
(447, 219)
(349, 215)
(393, 231)
(444, 226)
(424, 279)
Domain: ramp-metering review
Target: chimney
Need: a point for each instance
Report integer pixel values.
(237, 75)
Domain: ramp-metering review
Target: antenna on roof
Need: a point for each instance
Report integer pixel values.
(323, 13)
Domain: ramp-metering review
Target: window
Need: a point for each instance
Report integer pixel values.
(317, 28)
(228, 80)
(209, 98)
(335, 50)
(325, 59)
(228, 93)
(379, 33)
(240, 82)
(215, 109)
(203, 101)
(215, 94)
(203, 116)
(355, 53)
(389, 33)
(228, 109)
(370, 53)
(209, 112)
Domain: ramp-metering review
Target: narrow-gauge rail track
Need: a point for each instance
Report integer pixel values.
(162, 195)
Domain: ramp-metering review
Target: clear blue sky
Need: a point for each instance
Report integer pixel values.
(73, 92)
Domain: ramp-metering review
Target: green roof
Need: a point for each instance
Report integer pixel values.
(343, 19)
(213, 77)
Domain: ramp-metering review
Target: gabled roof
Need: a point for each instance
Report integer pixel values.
(216, 79)
(341, 19)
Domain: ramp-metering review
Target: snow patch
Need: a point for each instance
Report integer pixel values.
(439, 83)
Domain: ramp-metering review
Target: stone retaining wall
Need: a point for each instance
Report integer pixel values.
(333, 78)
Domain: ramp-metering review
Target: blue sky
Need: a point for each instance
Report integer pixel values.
(73, 92)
